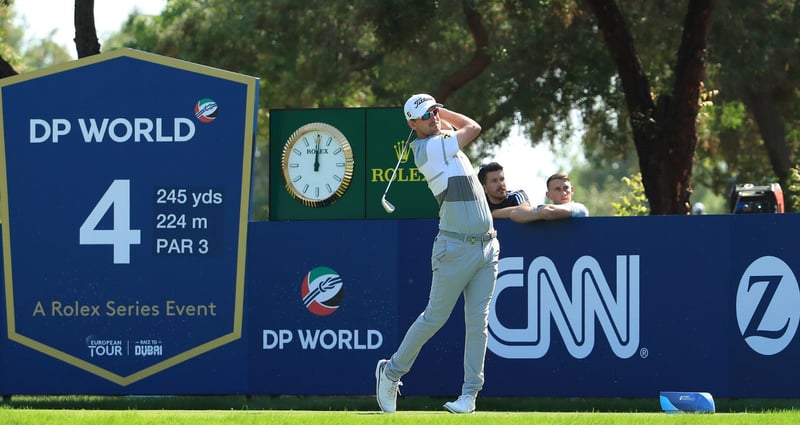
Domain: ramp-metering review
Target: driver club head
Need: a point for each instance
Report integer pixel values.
(387, 205)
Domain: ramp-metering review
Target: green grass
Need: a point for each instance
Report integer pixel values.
(244, 410)
(222, 417)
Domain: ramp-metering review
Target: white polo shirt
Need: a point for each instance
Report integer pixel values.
(451, 178)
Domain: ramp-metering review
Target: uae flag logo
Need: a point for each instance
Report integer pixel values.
(322, 291)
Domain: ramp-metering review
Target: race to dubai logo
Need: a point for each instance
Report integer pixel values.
(322, 291)
(205, 110)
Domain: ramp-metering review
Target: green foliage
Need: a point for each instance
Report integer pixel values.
(633, 203)
(753, 67)
(548, 62)
(729, 148)
(598, 186)
(138, 28)
(10, 37)
(793, 188)
(26, 55)
(732, 116)
(42, 54)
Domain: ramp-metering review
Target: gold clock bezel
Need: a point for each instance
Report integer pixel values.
(348, 171)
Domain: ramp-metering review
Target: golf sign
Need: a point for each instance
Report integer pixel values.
(125, 198)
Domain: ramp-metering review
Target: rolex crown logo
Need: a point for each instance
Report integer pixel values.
(398, 151)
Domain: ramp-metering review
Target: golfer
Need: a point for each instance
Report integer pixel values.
(465, 252)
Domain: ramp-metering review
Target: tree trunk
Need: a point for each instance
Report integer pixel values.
(680, 130)
(86, 43)
(767, 115)
(6, 70)
(664, 134)
(635, 85)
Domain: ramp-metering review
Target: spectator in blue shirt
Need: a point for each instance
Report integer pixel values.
(501, 201)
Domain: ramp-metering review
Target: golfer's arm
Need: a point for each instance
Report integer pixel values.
(467, 129)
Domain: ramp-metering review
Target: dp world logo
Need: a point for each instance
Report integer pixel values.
(322, 291)
(768, 305)
(205, 110)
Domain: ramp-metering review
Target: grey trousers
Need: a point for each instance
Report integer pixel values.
(458, 267)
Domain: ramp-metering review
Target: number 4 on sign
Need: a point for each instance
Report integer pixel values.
(121, 236)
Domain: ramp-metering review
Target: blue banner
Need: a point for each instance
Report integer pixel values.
(595, 307)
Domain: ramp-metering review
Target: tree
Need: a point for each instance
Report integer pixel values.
(86, 42)
(366, 53)
(10, 37)
(523, 63)
(758, 105)
(664, 131)
(47, 53)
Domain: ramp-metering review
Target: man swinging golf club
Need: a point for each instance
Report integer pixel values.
(465, 252)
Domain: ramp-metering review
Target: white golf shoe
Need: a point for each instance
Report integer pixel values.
(464, 404)
(386, 390)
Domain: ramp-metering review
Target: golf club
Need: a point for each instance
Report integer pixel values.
(386, 204)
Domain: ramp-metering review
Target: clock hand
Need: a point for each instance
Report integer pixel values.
(316, 155)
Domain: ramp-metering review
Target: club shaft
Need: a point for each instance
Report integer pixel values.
(399, 160)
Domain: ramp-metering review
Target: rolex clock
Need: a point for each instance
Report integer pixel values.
(317, 164)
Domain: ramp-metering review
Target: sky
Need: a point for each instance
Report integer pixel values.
(525, 167)
(40, 17)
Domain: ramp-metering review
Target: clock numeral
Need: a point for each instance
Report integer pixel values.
(337, 178)
(340, 164)
(297, 179)
(294, 165)
(296, 151)
(316, 192)
(336, 152)
(305, 188)
(327, 186)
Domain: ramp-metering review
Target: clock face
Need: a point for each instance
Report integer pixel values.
(317, 164)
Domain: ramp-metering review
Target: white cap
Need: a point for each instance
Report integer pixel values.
(418, 104)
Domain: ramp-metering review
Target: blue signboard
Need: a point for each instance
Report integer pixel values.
(125, 193)
(575, 313)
